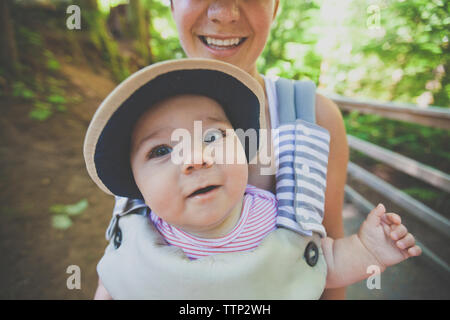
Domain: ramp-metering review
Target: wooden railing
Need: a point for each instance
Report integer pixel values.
(432, 116)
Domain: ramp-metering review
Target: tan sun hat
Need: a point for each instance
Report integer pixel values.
(107, 142)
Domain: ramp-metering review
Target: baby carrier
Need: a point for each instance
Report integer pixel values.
(288, 264)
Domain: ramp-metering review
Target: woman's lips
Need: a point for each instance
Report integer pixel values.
(222, 47)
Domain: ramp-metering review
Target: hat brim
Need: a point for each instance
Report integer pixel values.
(107, 142)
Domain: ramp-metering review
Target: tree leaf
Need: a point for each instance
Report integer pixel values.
(77, 208)
(58, 209)
(56, 99)
(40, 114)
(61, 221)
(70, 209)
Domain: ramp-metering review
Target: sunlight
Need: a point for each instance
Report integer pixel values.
(105, 5)
(335, 15)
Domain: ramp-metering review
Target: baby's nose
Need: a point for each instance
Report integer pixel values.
(198, 159)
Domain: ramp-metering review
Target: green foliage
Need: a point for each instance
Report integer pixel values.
(36, 82)
(422, 194)
(70, 209)
(56, 99)
(164, 40)
(28, 38)
(41, 111)
(290, 50)
(39, 86)
(20, 90)
(47, 99)
(424, 144)
(62, 213)
(52, 63)
(103, 42)
(405, 58)
(61, 222)
(54, 102)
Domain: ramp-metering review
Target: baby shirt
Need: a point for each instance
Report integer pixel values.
(258, 218)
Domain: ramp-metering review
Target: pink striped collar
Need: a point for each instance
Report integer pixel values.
(218, 242)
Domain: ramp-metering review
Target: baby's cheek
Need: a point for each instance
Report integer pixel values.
(237, 178)
(163, 202)
(238, 171)
(156, 190)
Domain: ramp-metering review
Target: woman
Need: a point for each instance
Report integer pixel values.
(236, 32)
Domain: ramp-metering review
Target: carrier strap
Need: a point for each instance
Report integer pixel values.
(296, 100)
(301, 154)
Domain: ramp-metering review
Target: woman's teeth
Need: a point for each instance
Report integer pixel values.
(223, 43)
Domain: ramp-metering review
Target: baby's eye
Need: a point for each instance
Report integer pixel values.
(214, 135)
(159, 151)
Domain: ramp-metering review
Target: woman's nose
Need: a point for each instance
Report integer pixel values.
(224, 11)
(197, 160)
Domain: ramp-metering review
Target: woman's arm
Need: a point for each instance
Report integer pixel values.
(329, 116)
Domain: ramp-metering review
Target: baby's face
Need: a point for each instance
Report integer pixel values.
(195, 196)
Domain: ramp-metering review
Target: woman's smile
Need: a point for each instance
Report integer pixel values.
(222, 46)
(232, 31)
(222, 41)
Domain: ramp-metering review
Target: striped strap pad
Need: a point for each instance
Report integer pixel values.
(301, 155)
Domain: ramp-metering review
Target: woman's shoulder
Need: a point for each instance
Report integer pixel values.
(330, 117)
(328, 114)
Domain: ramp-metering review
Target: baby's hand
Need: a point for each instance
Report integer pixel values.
(386, 238)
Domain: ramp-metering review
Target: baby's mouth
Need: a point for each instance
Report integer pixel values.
(222, 44)
(203, 191)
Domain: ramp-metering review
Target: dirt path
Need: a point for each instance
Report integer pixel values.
(41, 165)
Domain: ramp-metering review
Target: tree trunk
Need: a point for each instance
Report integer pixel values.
(138, 20)
(9, 56)
(101, 38)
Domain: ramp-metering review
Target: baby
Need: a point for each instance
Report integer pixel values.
(205, 206)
